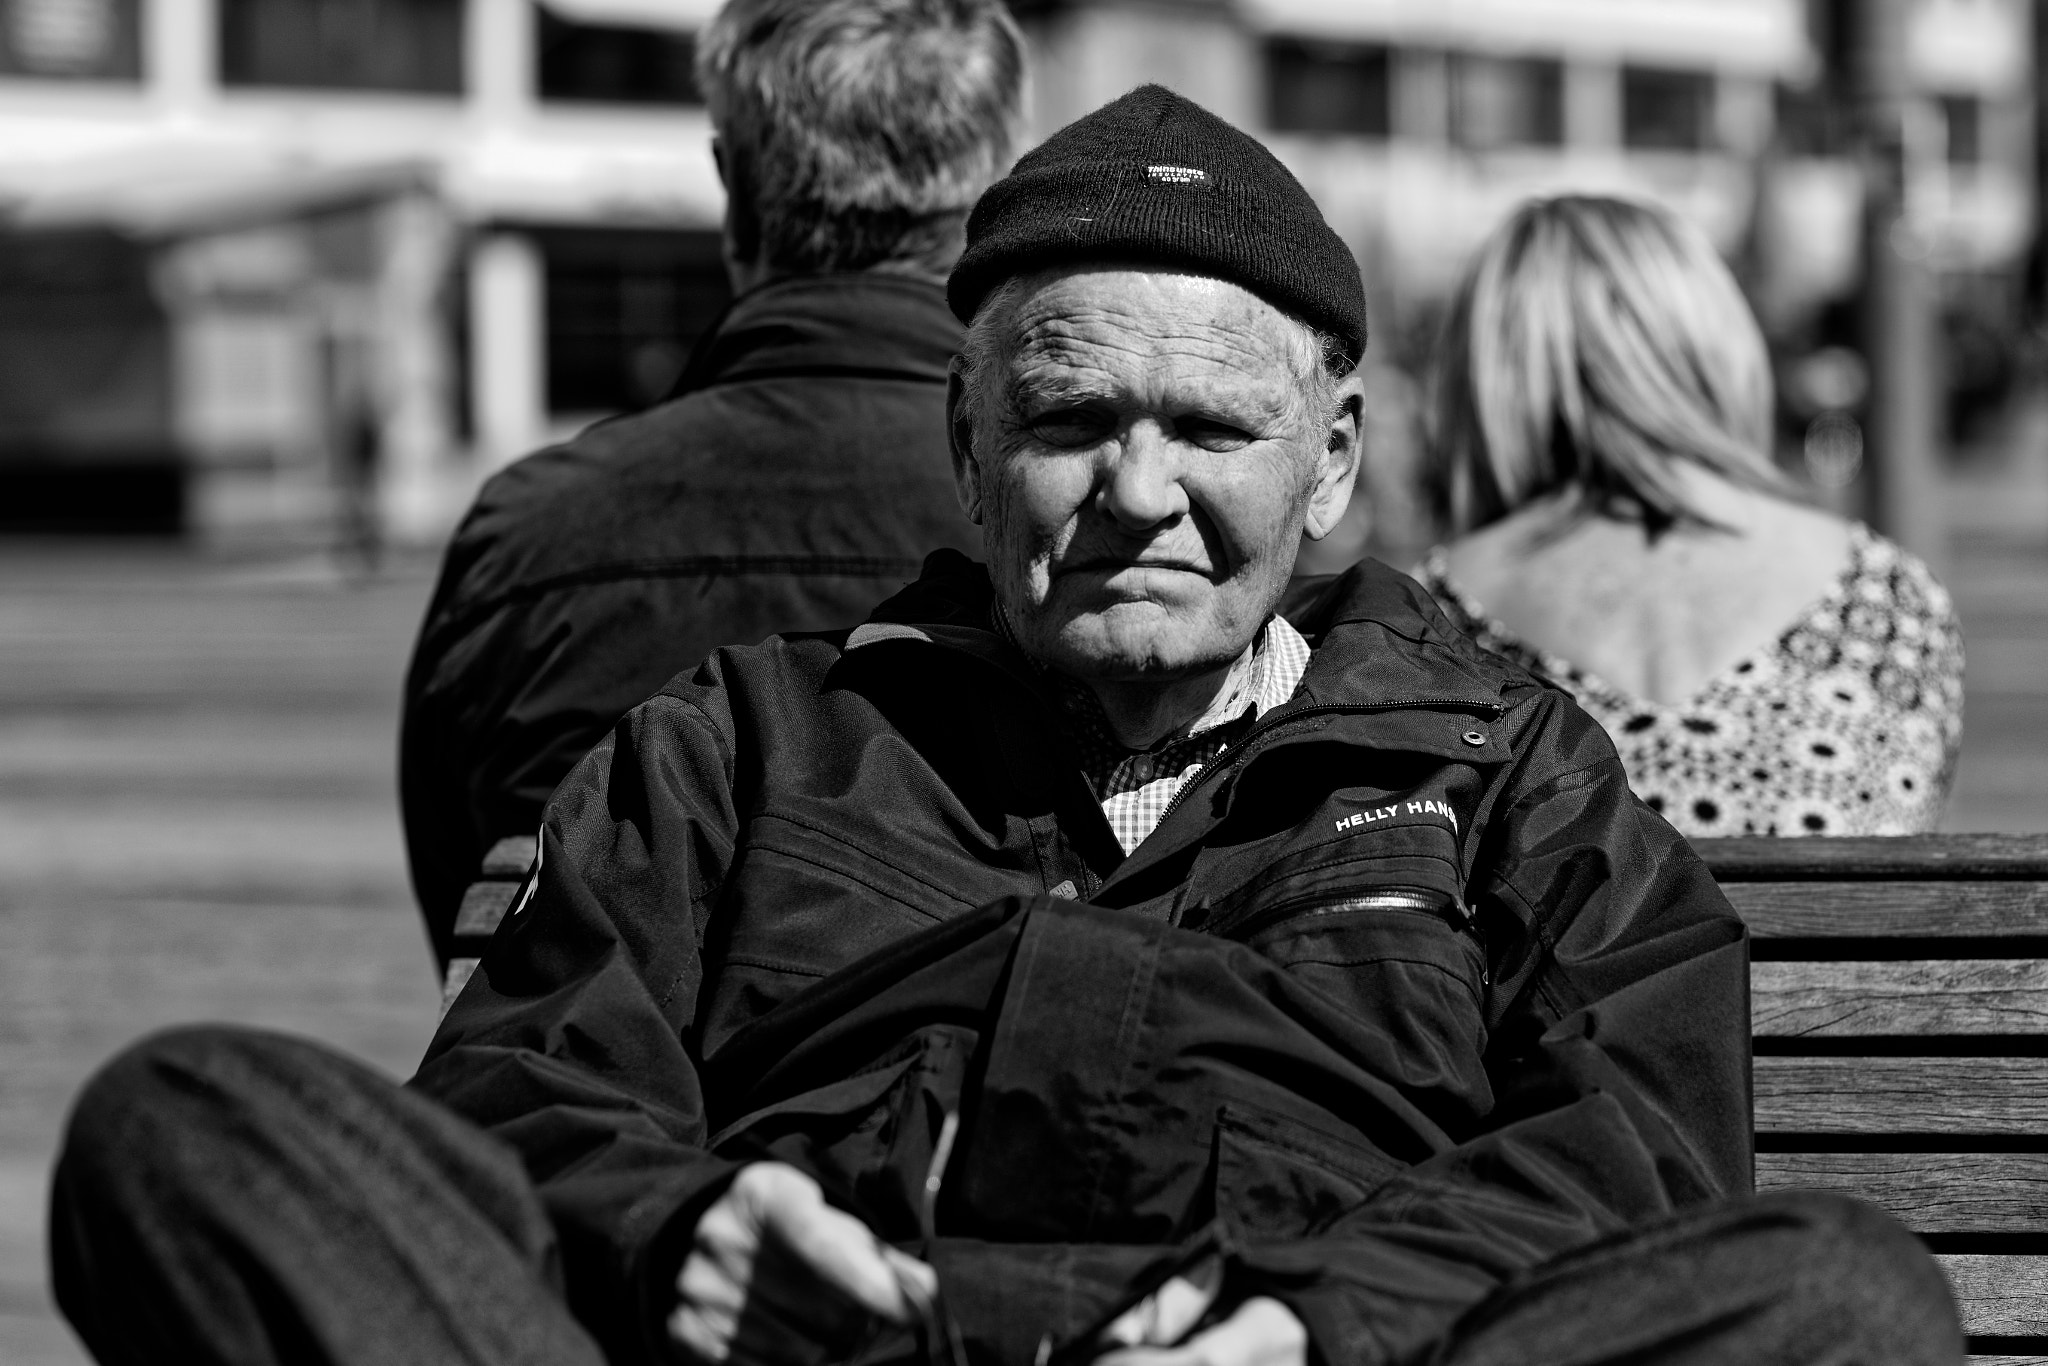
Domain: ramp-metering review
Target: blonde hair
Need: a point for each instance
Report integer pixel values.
(1593, 344)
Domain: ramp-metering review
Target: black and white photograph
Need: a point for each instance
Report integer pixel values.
(1023, 683)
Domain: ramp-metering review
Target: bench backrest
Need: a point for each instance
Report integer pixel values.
(1899, 1008)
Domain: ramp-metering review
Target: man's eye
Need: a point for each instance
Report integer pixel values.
(1212, 435)
(1070, 427)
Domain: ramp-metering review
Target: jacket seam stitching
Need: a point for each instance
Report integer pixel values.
(459, 619)
(750, 960)
(856, 877)
(1541, 984)
(837, 842)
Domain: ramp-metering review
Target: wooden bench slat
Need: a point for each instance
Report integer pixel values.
(460, 970)
(1891, 910)
(509, 857)
(1902, 1095)
(2006, 1361)
(1927, 1192)
(1999, 1296)
(1905, 997)
(483, 905)
(1767, 859)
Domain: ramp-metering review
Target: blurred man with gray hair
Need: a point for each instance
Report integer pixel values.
(796, 474)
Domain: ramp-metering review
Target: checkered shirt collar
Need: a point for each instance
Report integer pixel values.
(1136, 786)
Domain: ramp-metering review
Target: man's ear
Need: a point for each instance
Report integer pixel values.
(1337, 466)
(960, 440)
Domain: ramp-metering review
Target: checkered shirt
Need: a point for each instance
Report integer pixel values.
(1135, 788)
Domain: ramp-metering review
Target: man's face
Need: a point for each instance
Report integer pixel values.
(1144, 457)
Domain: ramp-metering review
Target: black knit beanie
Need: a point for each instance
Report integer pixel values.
(1154, 177)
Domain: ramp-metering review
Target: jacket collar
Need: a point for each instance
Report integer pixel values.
(865, 325)
(1389, 673)
(1380, 641)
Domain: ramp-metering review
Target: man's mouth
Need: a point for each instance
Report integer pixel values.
(1108, 566)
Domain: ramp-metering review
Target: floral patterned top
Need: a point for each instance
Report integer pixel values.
(1847, 724)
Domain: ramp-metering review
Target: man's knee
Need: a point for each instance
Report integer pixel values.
(148, 1149)
(1855, 1251)
(1849, 1228)
(181, 1110)
(187, 1072)
(174, 1071)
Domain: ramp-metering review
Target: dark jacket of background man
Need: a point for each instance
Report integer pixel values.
(798, 474)
(798, 478)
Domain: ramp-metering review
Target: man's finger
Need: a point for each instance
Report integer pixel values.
(706, 1336)
(839, 1249)
(1163, 1317)
(1263, 1332)
(710, 1287)
(914, 1278)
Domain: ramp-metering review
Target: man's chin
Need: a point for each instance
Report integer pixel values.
(1114, 648)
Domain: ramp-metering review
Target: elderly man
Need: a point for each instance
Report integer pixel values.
(1075, 960)
(797, 474)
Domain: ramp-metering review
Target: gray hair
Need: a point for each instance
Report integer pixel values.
(1321, 363)
(858, 133)
(1593, 344)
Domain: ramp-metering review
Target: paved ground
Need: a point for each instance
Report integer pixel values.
(197, 821)
(197, 817)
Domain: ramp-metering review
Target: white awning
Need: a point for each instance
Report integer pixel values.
(1756, 36)
(686, 15)
(172, 190)
(1971, 46)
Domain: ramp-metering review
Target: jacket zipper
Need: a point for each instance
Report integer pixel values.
(1383, 899)
(1262, 728)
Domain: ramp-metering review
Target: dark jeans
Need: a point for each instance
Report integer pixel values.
(231, 1196)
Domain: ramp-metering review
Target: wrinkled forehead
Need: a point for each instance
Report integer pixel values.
(1156, 329)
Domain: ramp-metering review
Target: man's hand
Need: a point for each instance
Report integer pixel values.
(1263, 1331)
(771, 1252)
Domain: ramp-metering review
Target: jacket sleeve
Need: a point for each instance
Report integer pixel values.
(503, 699)
(572, 1042)
(444, 839)
(1618, 1053)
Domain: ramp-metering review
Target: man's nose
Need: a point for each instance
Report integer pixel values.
(1141, 488)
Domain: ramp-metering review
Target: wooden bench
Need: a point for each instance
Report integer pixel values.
(1899, 1000)
(1899, 1008)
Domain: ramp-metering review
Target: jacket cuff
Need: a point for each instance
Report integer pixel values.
(661, 1260)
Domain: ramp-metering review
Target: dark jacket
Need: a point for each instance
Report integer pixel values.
(797, 479)
(1405, 993)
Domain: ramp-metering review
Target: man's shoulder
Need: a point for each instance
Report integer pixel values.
(562, 496)
(703, 475)
(1382, 643)
(1372, 612)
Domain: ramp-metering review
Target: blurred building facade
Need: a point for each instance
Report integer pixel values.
(314, 267)
(309, 267)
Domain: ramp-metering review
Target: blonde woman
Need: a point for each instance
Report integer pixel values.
(1601, 453)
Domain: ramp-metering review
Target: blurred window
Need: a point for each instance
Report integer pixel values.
(1811, 121)
(88, 40)
(1662, 108)
(411, 45)
(1964, 115)
(624, 307)
(1507, 101)
(600, 63)
(1328, 87)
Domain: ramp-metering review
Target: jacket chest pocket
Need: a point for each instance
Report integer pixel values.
(1403, 964)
